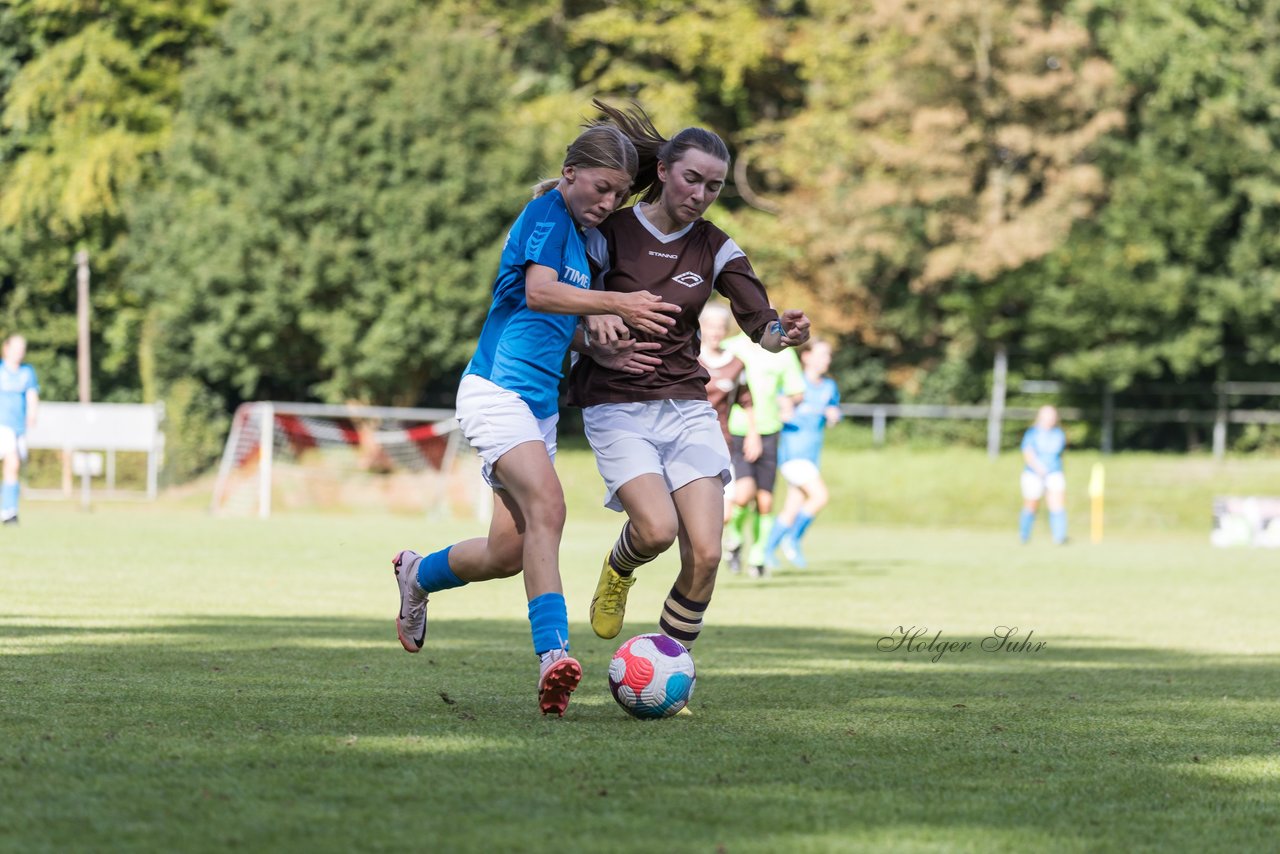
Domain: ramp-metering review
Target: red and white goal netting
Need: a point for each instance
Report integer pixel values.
(282, 456)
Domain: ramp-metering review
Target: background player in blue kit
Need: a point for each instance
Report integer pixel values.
(508, 402)
(1042, 447)
(803, 430)
(19, 401)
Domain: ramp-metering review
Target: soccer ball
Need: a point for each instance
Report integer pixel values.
(651, 676)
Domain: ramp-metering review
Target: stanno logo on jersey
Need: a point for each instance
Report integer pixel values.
(688, 278)
(663, 255)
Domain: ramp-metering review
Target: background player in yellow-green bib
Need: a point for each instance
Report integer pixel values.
(770, 377)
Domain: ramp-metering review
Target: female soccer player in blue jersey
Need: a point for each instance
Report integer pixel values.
(19, 400)
(507, 402)
(657, 440)
(1042, 447)
(799, 450)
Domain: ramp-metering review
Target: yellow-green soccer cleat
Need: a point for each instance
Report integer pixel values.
(609, 605)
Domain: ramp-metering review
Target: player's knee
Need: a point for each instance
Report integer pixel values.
(706, 558)
(655, 535)
(548, 513)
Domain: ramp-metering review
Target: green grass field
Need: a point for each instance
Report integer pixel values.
(177, 682)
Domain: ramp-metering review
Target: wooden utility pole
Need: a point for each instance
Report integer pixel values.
(82, 323)
(995, 417)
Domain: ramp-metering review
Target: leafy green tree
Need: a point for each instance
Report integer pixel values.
(940, 147)
(330, 211)
(1176, 279)
(88, 94)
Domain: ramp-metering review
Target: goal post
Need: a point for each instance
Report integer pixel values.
(281, 456)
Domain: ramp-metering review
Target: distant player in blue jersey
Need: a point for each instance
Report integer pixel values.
(798, 452)
(507, 402)
(1042, 447)
(19, 400)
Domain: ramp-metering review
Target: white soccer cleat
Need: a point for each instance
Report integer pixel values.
(411, 622)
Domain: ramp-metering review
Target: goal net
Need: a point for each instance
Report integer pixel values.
(292, 456)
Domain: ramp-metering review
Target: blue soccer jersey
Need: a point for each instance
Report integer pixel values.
(523, 350)
(1047, 445)
(802, 435)
(14, 386)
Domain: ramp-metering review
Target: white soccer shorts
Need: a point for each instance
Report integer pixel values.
(800, 472)
(680, 440)
(11, 442)
(495, 420)
(1034, 486)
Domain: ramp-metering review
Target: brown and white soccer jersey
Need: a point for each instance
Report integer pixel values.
(629, 254)
(725, 385)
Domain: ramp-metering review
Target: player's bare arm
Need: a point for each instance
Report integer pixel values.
(787, 407)
(641, 310)
(1033, 462)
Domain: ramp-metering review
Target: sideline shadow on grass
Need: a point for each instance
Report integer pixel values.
(321, 734)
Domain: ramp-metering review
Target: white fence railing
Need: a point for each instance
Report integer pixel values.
(880, 413)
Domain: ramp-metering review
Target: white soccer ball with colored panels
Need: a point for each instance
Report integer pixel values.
(652, 676)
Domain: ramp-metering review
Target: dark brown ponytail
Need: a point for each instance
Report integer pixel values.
(652, 147)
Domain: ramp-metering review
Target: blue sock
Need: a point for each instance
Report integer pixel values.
(1058, 526)
(1025, 521)
(549, 621)
(9, 499)
(801, 525)
(434, 572)
(776, 535)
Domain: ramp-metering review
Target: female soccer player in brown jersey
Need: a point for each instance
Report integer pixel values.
(657, 441)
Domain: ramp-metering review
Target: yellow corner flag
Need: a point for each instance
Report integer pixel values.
(1097, 487)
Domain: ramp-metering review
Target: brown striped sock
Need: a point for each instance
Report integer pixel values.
(682, 618)
(625, 557)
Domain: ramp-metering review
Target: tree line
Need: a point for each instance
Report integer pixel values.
(304, 199)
